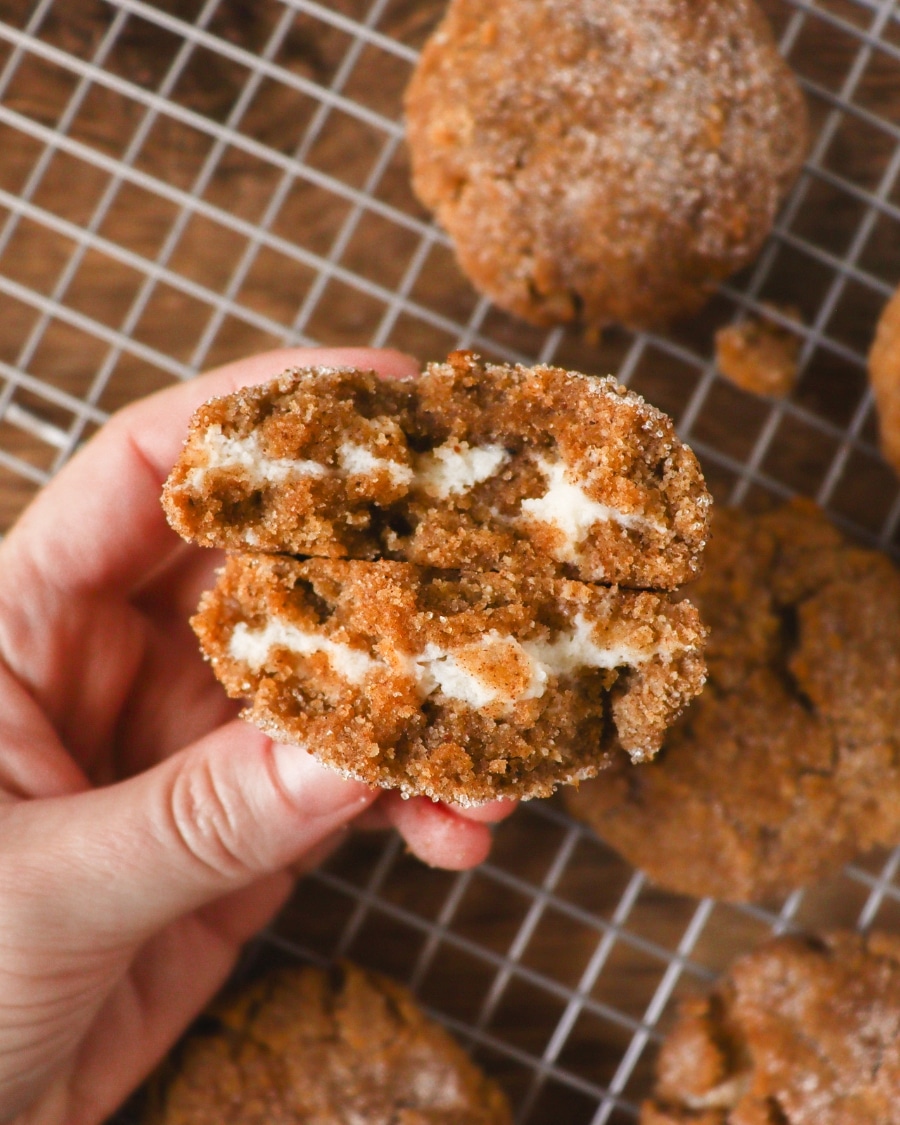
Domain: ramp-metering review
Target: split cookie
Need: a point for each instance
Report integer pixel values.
(788, 765)
(804, 1031)
(473, 465)
(302, 1046)
(604, 161)
(436, 584)
(461, 686)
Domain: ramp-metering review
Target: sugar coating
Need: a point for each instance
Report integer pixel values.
(472, 464)
(464, 686)
(788, 765)
(604, 160)
(884, 375)
(301, 1045)
(803, 1031)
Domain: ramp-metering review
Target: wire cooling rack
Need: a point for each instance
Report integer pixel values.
(186, 182)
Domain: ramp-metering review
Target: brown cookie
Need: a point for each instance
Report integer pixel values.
(303, 1046)
(473, 465)
(884, 374)
(788, 764)
(462, 686)
(450, 635)
(804, 1031)
(604, 160)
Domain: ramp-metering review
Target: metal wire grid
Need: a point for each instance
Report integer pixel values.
(567, 984)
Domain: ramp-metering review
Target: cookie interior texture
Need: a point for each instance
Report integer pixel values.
(803, 1031)
(456, 607)
(788, 764)
(303, 1045)
(473, 465)
(604, 160)
(462, 686)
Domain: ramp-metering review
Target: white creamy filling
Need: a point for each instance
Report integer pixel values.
(456, 467)
(442, 669)
(449, 469)
(570, 652)
(569, 508)
(437, 668)
(252, 646)
(356, 459)
(223, 452)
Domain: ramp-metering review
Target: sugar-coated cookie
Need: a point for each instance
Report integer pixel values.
(341, 1048)
(458, 585)
(604, 160)
(788, 764)
(463, 686)
(803, 1031)
(472, 464)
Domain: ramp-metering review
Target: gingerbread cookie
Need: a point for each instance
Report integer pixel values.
(463, 686)
(302, 1046)
(884, 375)
(804, 1031)
(473, 465)
(604, 160)
(788, 764)
(464, 628)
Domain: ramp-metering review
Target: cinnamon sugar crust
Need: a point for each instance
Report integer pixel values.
(788, 765)
(473, 465)
(302, 1045)
(803, 1031)
(463, 686)
(457, 585)
(884, 375)
(604, 161)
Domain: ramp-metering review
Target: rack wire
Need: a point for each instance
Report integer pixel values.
(186, 182)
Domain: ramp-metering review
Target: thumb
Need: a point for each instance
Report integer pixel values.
(110, 866)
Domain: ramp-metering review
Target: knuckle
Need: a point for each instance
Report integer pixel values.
(212, 823)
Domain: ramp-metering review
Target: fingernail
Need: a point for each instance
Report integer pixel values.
(320, 790)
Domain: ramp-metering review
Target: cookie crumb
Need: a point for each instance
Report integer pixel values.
(759, 355)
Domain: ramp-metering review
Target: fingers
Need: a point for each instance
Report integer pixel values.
(99, 523)
(436, 834)
(107, 868)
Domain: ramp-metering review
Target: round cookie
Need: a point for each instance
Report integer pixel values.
(461, 686)
(303, 1046)
(803, 1031)
(788, 764)
(604, 160)
(884, 375)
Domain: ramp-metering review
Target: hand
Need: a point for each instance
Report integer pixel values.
(145, 831)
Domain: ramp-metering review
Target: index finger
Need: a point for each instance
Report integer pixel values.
(99, 524)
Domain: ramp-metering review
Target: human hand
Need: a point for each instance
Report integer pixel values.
(145, 831)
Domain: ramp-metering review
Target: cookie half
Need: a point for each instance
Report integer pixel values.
(471, 465)
(804, 1031)
(302, 1046)
(463, 686)
(788, 765)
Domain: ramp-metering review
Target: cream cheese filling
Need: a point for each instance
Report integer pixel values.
(455, 467)
(448, 470)
(253, 646)
(245, 453)
(568, 507)
(512, 671)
